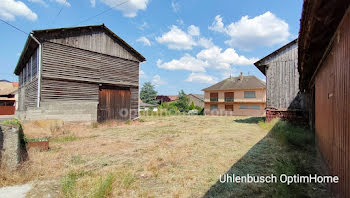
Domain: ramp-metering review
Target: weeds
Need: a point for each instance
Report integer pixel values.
(128, 122)
(94, 125)
(105, 187)
(64, 139)
(68, 185)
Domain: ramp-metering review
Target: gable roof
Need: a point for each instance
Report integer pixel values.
(198, 96)
(41, 34)
(261, 63)
(7, 88)
(236, 83)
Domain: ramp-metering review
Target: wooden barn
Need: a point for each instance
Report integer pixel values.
(83, 73)
(283, 97)
(324, 67)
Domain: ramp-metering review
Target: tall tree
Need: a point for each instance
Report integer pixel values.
(183, 101)
(148, 93)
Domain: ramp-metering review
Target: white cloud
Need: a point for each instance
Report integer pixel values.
(201, 78)
(193, 30)
(223, 60)
(9, 9)
(206, 43)
(42, 2)
(247, 33)
(93, 3)
(180, 22)
(213, 58)
(175, 6)
(180, 40)
(144, 40)
(63, 2)
(177, 39)
(143, 74)
(130, 8)
(187, 62)
(156, 81)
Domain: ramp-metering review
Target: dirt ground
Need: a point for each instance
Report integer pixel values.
(173, 156)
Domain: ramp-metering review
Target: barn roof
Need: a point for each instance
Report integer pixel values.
(236, 83)
(318, 24)
(261, 63)
(41, 34)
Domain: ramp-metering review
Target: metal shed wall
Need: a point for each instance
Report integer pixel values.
(332, 108)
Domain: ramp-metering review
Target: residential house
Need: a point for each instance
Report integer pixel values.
(84, 73)
(283, 97)
(242, 95)
(324, 67)
(196, 99)
(8, 97)
(164, 98)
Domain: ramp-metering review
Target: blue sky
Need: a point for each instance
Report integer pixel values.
(188, 44)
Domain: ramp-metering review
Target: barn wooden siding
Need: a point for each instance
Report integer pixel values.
(70, 63)
(72, 74)
(332, 108)
(92, 40)
(134, 103)
(28, 94)
(282, 79)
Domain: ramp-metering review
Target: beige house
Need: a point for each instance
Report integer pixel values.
(243, 95)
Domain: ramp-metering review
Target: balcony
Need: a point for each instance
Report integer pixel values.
(229, 99)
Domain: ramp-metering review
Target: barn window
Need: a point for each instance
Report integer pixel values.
(228, 96)
(255, 106)
(213, 107)
(214, 97)
(249, 94)
(228, 107)
(243, 106)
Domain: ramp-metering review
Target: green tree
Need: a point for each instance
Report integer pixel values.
(183, 101)
(148, 93)
(192, 106)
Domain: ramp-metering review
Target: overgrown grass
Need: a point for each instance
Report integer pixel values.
(287, 149)
(68, 185)
(68, 138)
(13, 122)
(105, 187)
(289, 134)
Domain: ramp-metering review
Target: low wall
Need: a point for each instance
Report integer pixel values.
(65, 111)
(295, 116)
(12, 146)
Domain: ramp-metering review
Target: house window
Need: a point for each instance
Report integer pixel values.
(249, 94)
(214, 97)
(228, 107)
(213, 107)
(228, 96)
(255, 106)
(243, 106)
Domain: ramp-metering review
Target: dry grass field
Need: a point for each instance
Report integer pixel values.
(170, 156)
(177, 156)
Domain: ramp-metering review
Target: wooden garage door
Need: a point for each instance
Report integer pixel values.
(114, 104)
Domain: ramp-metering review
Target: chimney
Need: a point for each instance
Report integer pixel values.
(241, 76)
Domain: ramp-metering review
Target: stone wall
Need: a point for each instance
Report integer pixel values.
(82, 111)
(12, 146)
